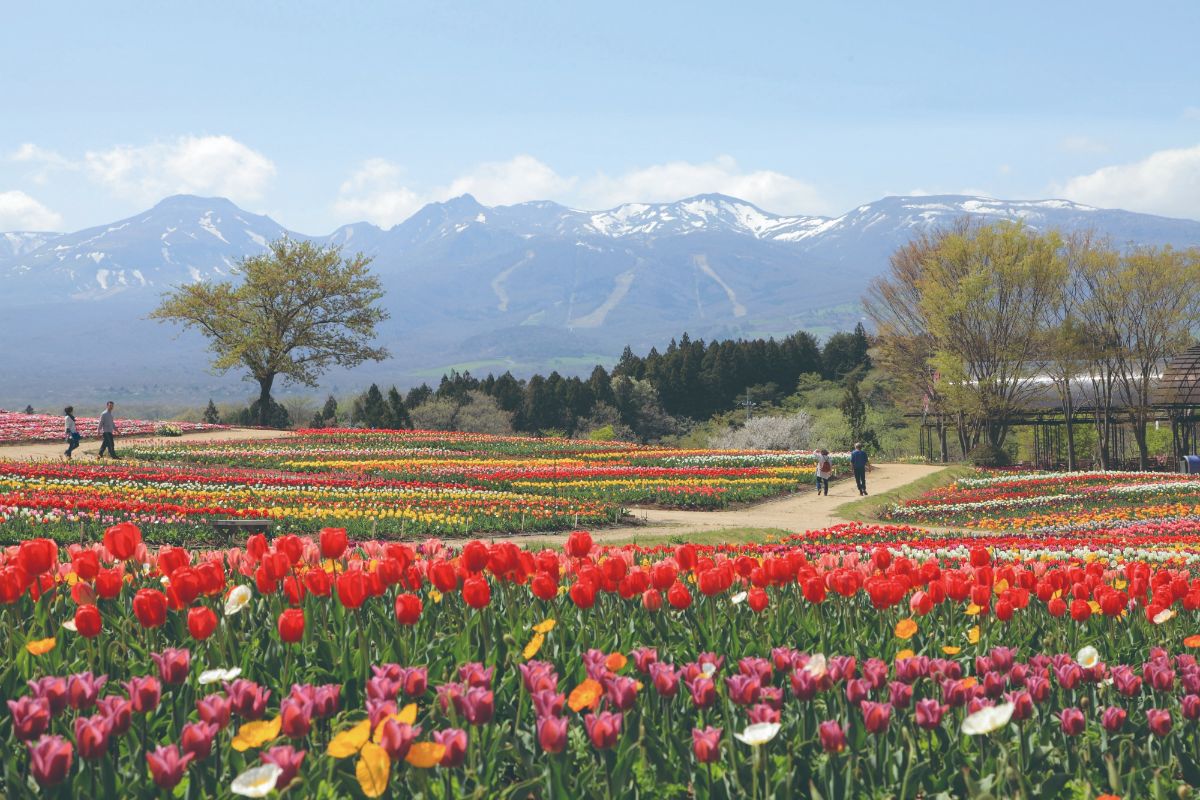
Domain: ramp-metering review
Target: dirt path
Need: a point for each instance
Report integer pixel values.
(805, 511)
(88, 448)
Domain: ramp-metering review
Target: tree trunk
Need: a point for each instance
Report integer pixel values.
(1070, 423)
(1139, 435)
(264, 400)
(942, 440)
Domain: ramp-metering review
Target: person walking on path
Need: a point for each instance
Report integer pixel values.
(824, 472)
(108, 429)
(859, 463)
(71, 431)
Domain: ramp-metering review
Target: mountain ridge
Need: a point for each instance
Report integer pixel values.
(526, 286)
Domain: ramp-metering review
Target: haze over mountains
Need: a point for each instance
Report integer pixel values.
(529, 286)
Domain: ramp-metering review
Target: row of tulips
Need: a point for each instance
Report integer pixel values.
(1054, 503)
(328, 668)
(612, 472)
(18, 427)
(63, 495)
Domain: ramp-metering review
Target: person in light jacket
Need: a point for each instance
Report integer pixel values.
(71, 431)
(108, 429)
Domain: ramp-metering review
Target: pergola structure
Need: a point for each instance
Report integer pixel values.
(1178, 394)
(1175, 400)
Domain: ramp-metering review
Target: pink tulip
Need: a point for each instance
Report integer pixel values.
(197, 738)
(455, 742)
(83, 689)
(214, 709)
(552, 734)
(119, 713)
(876, 716)
(91, 736)
(50, 760)
(288, 759)
(397, 737)
(144, 693)
(31, 717)
(1113, 719)
(247, 699)
(173, 665)
(832, 735)
(167, 765)
(479, 705)
(1159, 720)
(1071, 721)
(929, 713)
(295, 717)
(603, 729)
(54, 690)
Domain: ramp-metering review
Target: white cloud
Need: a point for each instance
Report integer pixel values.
(20, 212)
(1166, 182)
(30, 153)
(216, 165)
(374, 193)
(772, 191)
(1082, 144)
(517, 180)
(377, 191)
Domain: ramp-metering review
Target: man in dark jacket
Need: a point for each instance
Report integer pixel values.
(858, 462)
(108, 429)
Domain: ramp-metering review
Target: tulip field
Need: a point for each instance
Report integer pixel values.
(380, 485)
(1042, 643)
(18, 427)
(1062, 504)
(861, 661)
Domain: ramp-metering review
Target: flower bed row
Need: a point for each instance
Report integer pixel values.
(16, 427)
(341, 668)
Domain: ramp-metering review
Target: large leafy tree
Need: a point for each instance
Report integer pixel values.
(298, 309)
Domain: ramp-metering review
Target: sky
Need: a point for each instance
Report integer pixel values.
(324, 114)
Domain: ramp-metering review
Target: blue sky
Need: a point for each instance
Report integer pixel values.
(324, 114)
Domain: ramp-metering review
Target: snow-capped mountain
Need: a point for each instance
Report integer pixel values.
(528, 286)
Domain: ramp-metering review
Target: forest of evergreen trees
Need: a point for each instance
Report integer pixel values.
(645, 397)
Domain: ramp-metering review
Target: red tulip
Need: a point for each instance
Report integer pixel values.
(706, 744)
(122, 540)
(167, 765)
(291, 625)
(109, 583)
(256, 546)
(476, 592)
(757, 599)
(292, 546)
(88, 622)
(37, 556)
(86, 565)
(583, 594)
(651, 600)
(544, 587)
(579, 544)
(50, 760)
(408, 609)
(678, 596)
(318, 582)
(150, 607)
(201, 622)
(475, 556)
(352, 588)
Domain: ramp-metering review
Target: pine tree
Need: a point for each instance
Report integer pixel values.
(397, 416)
(211, 416)
(329, 412)
(855, 412)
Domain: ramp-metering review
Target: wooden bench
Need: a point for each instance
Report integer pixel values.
(227, 528)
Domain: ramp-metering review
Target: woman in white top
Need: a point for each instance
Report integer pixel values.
(824, 471)
(72, 432)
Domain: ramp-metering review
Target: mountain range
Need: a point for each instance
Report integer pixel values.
(530, 286)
